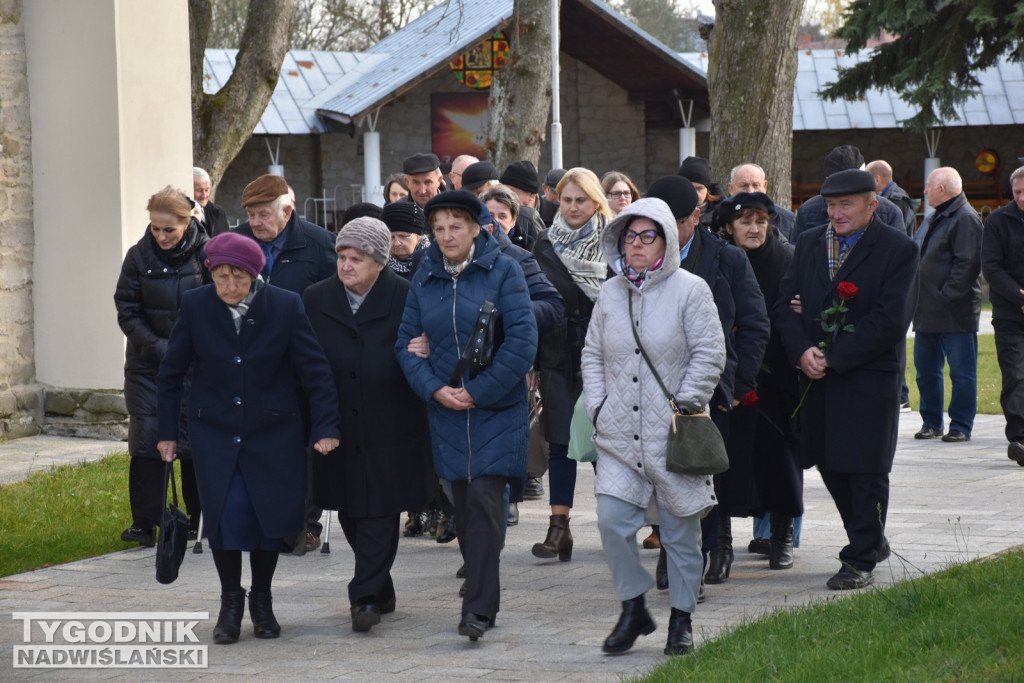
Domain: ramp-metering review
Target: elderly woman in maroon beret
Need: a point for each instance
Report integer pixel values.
(253, 352)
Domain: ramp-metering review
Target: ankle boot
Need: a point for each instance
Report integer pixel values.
(558, 541)
(264, 624)
(782, 542)
(680, 633)
(720, 557)
(661, 571)
(229, 621)
(635, 621)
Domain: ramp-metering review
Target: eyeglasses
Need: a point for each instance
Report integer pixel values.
(455, 173)
(646, 237)
(620, 195)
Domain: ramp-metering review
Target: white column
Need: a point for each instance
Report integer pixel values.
(930, 164)
(556, 103)
(372, 190)
(687, 143)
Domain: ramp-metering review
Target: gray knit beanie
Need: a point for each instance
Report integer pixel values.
(368, 235)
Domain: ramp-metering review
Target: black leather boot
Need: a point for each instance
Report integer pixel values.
(635, 621)
(558, 541)
(661, 571)
(264, 623)
(720, 557)
(680, 633)
(782, 542)
(229, 621)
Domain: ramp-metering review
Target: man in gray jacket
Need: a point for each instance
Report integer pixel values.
(948, 308)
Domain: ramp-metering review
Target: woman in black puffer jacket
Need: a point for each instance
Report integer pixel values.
(157, 271)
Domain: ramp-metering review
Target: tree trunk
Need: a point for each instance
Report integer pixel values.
(520, 98)
(752, 62)
(222, 122)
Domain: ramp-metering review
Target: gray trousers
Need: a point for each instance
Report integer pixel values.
(619, 521)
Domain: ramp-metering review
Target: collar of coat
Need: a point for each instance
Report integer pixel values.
(485, 254)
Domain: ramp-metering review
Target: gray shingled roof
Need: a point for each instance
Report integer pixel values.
(1001, 101)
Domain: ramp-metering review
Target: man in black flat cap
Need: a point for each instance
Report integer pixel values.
(851, 380)
(521, 177)
(423, 176)
(479, 176)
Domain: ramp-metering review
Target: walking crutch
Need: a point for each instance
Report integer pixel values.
(198, 547)
(325, 549)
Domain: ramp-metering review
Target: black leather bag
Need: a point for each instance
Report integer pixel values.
(174, 524)
(488, 333)
(694, 443)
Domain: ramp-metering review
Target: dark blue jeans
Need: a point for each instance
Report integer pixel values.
(933, 350)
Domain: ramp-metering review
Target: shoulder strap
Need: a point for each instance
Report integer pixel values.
(636, 336)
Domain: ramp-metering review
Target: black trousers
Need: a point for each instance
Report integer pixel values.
(863, 502)
(374, 542)
(145, 494)
(479, 521)
(1010, 354)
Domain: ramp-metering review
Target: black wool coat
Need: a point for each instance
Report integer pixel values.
(306, 257)
(849, 421)
(384, 464)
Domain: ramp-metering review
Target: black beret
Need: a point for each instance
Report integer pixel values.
(677, 192)
(420, 163)
(730, 206)
(477, 174)
(457, 199)
(842, 158)
(360, 210)
(553, 177)
(696, 170)
(850, 181)
(404, 217)
(521, 175)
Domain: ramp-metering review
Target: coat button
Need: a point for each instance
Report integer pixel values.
(237, 360)
(707, 482)
(636, 351)
(237, 439)
(352, 375)
(636, 437)
(237, 400)
(640, 465)
(250, 321)
(635, 379)
(636, 408)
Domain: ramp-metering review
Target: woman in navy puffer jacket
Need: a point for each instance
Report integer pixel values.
(478, 427)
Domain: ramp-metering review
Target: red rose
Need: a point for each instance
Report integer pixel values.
(750, 398)
(846, 290)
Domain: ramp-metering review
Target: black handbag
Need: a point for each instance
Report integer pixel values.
(694, 444)
(488, 333)
(174, 524)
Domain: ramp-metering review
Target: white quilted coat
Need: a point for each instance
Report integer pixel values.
(678, 324)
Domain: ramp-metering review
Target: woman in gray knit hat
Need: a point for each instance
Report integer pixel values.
(384, 464)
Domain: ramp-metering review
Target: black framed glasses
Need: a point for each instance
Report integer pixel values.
(646, 237)
(622, 194)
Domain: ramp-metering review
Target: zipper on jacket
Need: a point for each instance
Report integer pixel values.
(458, 354)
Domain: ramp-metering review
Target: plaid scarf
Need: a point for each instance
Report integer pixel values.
(835, 261)
(239, 310)
(580, 252)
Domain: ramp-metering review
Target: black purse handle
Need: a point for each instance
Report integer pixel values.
(668, 394)
(169, 481)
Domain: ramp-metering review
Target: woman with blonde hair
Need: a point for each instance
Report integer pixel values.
(569, 253)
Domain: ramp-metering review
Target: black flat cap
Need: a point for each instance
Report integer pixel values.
(521, 175)
(477, 174)
(404, 217)
(842, 158)
(677, 192)
(731, 206)
(553, 177)
(696, 170)
(420, 163)
(457, 199)
(850, 181)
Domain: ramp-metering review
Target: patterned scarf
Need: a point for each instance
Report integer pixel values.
(239, 310)
(836, 256)
(455, 269)
(637, 277)
(403, 266)
(580, 252)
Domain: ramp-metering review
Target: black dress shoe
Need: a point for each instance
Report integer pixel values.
(513, 514)
(955, 436)
(534, 488)
(760, 546)
(474, 626)
(446, 532)
(849, 578)
(928, 433)
(387, 607)
(365, 617)
(635, 621)
(1015, 451)
(134, 534)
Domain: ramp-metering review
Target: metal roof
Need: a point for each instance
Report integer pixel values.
(304, 74)
(1001, 101)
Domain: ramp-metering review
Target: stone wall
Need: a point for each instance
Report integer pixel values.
(82, 413)
(18, 395)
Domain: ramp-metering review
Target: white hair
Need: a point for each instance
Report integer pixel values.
(735, 170)
(200, 174)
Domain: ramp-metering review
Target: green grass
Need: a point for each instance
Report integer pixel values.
(67, 513)
(989, 379)
(961, 624)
